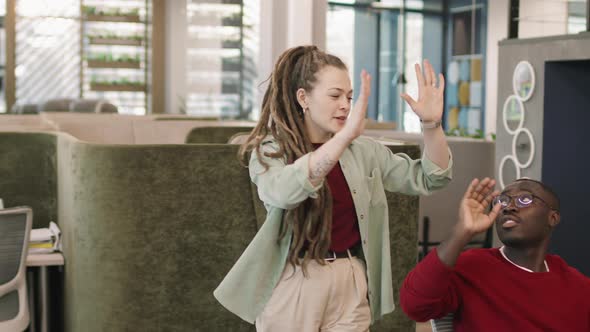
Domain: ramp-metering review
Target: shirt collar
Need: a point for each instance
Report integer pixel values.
(518, 266)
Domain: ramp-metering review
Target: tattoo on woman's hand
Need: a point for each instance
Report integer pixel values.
(321, 168)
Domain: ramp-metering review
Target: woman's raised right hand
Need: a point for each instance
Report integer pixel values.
(355, 124)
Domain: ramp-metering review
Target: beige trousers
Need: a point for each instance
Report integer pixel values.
(333, 297)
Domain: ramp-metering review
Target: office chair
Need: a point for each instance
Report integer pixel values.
(444, 324)
(55, 105)
(15, 227)
(425, 245)
(239, 138)
(25, 109)
(92, 106)
(213, 134)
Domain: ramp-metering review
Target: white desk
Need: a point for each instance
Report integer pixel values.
(43, 261)
(55, 258)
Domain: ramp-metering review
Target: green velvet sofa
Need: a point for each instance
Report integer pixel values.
(28, 174)
(150, 230)
(215, 134)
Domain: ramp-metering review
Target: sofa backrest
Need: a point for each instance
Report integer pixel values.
(152, 229)
(28, 173)
(131, 129)
(214, 134)
(149, 231)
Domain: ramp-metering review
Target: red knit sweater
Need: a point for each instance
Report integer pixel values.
(488, 293)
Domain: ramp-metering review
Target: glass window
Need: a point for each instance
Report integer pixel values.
(552, 18)
(414, 54)
(222, 50)
(340, 42)
(576, 19)
(466, 30)
(391, 78)
(47, 50)
(88, 49)
(464, 91)
(116, 53)
(387, 38)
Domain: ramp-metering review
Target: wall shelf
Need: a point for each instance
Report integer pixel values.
(113, 18)
(115, 53)
(113, 64)
(115, 41)
(118, 87)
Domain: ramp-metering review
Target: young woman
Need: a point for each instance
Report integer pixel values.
(321, 261)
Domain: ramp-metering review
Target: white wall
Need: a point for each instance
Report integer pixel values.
(273, 34)
(498, 11)
(542, 18)
(288, 23)
(175, 54)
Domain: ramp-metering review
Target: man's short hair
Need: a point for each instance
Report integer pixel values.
(546, 189)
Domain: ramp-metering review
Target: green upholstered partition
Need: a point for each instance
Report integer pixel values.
(149, 232)
(403, 232)
(217, 134)
(185, 118)
(28, 174)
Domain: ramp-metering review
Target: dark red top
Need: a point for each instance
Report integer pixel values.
(488, 293)
(345, 228)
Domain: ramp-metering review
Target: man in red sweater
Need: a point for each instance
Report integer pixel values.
(518, 287)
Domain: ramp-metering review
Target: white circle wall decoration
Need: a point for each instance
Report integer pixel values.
(523, 144)
(502, 172)
(523, 80)
(513, 114)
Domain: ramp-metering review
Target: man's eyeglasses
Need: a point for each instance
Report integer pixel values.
(521, 201)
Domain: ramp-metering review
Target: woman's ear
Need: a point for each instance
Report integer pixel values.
(302, 98)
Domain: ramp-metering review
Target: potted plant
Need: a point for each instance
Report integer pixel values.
(108, 60)
(91, 13)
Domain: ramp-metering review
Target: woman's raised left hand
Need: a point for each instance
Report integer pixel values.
(429, 106)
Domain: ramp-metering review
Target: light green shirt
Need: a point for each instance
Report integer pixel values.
(369, 169)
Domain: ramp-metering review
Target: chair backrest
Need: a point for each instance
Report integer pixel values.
(444, 324)
(25, 109)
(56, 105)
(15, 227)
(426, 244)
(92, 106)
(372, 124)
(239, 138)
(213, 134)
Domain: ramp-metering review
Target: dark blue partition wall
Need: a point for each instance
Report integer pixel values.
(566, 156)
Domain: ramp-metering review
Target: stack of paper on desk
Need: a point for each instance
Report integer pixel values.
(45, 240)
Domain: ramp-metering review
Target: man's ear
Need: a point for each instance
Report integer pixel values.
(554, 218)
(302, 98)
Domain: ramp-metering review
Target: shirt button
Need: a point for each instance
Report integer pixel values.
(364, 242)
(362, 216)
(354, 191)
